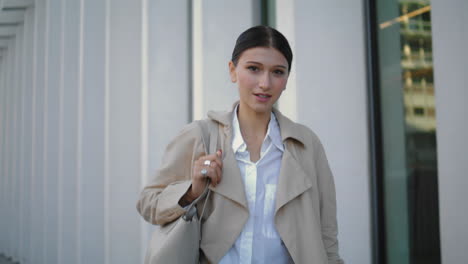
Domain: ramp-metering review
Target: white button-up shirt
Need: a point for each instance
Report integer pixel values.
(259, 241)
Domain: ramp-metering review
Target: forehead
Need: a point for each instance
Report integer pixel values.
(264, 55)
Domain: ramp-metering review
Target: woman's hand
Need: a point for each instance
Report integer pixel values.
(213, 172)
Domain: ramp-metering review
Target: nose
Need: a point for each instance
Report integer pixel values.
(264, 82)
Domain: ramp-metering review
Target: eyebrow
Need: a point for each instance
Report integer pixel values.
(254, 62)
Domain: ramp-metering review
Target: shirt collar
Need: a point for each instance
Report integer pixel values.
(273, 134)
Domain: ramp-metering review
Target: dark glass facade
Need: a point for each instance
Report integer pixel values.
(407, 176)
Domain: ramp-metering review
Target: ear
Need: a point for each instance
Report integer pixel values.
(232, 71)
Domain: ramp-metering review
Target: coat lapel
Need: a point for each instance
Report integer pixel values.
(231, 185)
(293, 180)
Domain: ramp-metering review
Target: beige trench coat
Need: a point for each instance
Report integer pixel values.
(305, 211)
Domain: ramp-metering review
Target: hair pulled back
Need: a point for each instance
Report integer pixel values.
(262, 36)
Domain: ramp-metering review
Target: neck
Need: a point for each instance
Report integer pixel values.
(253, 125)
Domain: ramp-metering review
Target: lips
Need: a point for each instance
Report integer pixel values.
(262, 95)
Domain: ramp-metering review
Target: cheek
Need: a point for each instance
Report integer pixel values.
(246, 81)
(280, 84)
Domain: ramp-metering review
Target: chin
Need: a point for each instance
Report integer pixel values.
(260, 109)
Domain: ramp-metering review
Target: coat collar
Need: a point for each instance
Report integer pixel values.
(288, 128)
(293, 180)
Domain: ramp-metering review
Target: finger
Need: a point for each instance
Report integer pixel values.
(219, 174)
(218, 161)
(200, 155)
(202, 159)
(212, 158)
(216, 172)
(213, 177)
(214, 165)
(200, 175)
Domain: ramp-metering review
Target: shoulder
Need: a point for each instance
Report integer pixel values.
(303, 137)
(300, 133)
(190, 130)
(189, 134)
(307, 134)
(195, 131)
(310, 139)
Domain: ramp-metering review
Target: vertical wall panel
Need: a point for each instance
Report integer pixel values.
(18, 140)
(3, 192)
(168, 100)
(92, 150)
(8, 148)
(12, 138)
(331, 89)
(450, 39)
(123, 95)
(27, 133)
(6, 151)
(17, 157)
(4, 182)
(4, 238)
(168, 75)
(52, 127)
(68, 203)
(38, 235)
(285, 23)
(2, 150)
(217, 25)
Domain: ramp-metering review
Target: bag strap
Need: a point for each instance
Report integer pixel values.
(209, 136)
(212, 137)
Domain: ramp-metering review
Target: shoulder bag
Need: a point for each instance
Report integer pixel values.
(179, 241)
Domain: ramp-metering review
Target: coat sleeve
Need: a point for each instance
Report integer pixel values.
(159, 200)
(327, 206)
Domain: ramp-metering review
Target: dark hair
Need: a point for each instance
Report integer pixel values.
(262, 36)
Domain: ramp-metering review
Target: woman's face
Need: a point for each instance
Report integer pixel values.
(261, 75)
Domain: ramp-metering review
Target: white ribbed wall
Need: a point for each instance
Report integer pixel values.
(328, 94)
(71, 132)
(216, 25)
(450, 41)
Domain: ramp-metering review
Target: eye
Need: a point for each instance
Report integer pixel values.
(278, 72)
(253, 68)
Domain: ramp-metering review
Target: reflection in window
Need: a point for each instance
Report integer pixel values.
(408, 132)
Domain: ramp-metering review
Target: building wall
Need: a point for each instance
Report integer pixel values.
(71, 133)
(329, 96)
(450, 39)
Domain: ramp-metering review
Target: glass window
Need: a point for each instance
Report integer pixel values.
(407, 115)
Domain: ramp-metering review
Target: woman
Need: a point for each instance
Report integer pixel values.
(273, 195)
